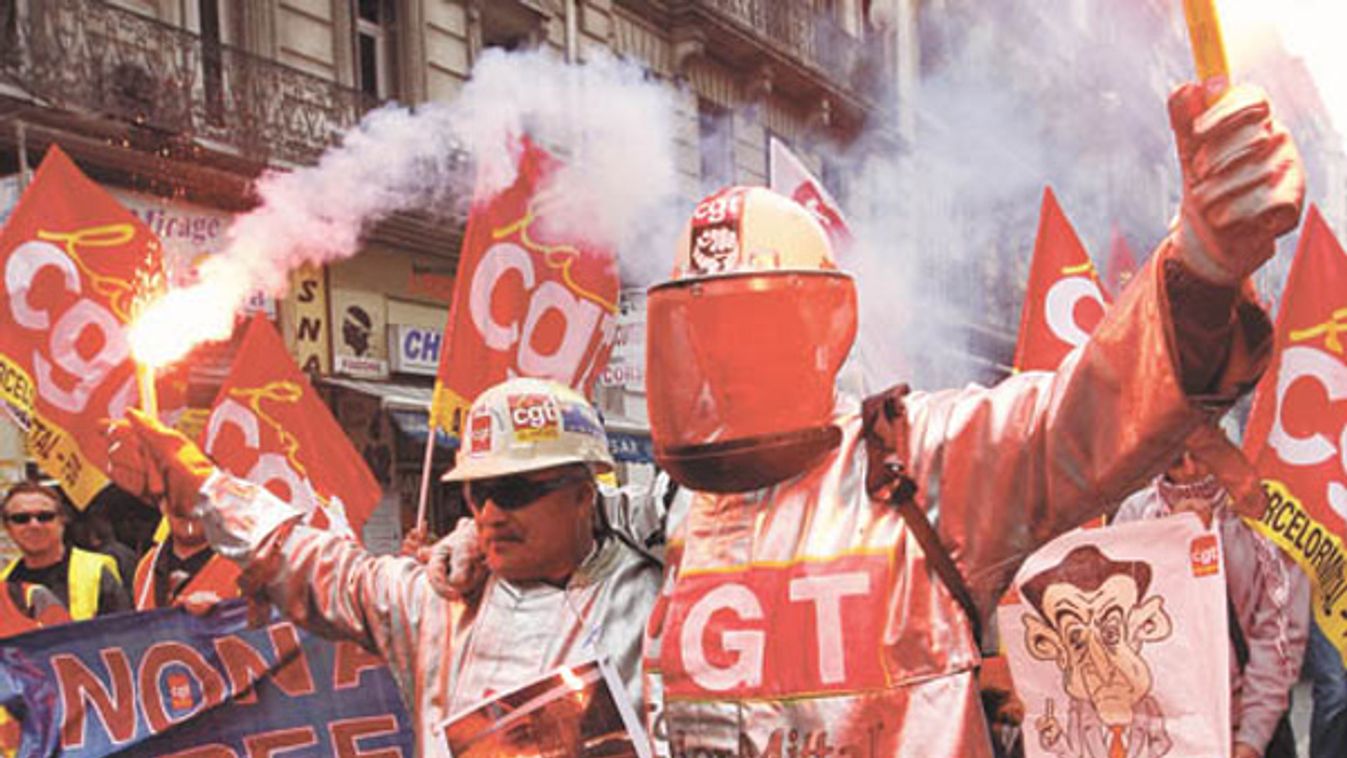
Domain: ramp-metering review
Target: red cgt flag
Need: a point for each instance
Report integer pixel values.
(1297, 433)
(790, 177)
(72, 257)
(269, 426)
(525, 303)
(1063, 302)
(1122, 264)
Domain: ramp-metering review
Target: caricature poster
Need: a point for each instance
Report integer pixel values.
(1118, 646)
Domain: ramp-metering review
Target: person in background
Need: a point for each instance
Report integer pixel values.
(184, 568)
(1269, 604)
(1328, 677)
(92, 531)
(25, 607)
(86, 582)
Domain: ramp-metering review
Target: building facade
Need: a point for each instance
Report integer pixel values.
(177, 105)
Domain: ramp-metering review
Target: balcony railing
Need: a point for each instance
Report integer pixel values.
(90, 58)
(796, 30)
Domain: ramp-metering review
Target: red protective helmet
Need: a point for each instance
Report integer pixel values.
(745, 342)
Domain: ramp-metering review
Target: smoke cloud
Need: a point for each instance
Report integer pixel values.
(612, 127)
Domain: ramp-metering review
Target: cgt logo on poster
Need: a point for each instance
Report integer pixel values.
(117, 696)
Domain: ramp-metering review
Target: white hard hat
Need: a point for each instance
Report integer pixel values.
(526, 424)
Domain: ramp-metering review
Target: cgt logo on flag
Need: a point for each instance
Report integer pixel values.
(534, 417)
(1205, 554)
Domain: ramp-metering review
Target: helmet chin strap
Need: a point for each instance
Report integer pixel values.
(748, 464)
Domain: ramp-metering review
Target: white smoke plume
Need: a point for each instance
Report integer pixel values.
(1014, 97)
(612, 126)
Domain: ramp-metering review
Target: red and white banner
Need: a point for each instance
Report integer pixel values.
(789, 177)
(1117, 642)
(528, 301)
(1297, 432)
(1063, 302)
(269, 426)
(71, 256)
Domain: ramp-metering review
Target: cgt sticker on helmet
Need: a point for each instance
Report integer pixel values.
(715, 233)
(480, 434)
(534, 417)
(715, 250)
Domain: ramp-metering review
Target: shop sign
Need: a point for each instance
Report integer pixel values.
(626, 363)
(309, 333)
(359, 334)
(415, 349)
(189, 233)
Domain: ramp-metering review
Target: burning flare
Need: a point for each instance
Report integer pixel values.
(171, 326)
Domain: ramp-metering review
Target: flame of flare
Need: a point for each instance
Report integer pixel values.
(1309, 29)
(572, 680)
(171, 326)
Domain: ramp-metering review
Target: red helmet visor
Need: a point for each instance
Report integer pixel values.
(745, 356)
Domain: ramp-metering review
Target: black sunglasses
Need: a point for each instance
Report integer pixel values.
(510, 493)
(43, 517)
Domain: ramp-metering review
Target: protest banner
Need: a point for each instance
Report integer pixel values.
(167, 683)
(1117, 641)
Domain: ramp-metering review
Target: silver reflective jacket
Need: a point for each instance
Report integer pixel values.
(445, 655)
(803, 621)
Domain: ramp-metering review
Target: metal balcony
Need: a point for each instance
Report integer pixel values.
(93, 60)
(810, 49)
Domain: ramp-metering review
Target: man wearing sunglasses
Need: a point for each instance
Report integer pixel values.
(561, 590)
(87, 582)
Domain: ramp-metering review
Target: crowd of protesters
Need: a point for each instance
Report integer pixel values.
(922, 503)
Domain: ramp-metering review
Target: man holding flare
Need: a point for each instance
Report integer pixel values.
(562, 592)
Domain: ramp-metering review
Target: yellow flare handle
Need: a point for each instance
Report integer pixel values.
(1204, 32)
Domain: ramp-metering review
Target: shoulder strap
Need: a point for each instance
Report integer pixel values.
(886, 478)
(1236, 634)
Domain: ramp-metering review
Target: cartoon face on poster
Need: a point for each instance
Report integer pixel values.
(1117, 643)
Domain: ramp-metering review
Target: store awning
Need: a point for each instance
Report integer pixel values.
(628, 439)
(407, 406)
(390, 394)
(415, 424)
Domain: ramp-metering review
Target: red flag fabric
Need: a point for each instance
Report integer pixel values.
(269, 426)
(526, 301)
(1063, 302)
(1122, 264)
(788, 176)
(1297, 432)
(72, 257)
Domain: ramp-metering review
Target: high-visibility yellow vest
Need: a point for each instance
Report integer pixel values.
(83, 580)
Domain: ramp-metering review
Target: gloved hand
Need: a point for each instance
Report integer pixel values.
(151, 461)
(1243, 181)
(457, 567)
